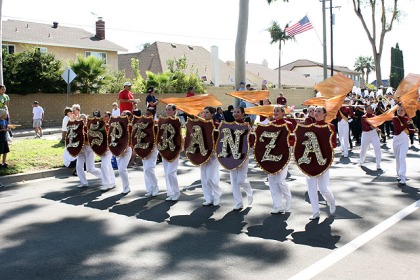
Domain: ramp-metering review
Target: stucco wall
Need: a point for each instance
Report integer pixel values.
(54, 104)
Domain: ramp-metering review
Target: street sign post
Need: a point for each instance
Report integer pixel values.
(68, 76)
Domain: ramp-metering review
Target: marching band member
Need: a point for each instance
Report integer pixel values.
(343, 116)
(210, 177)
(86, 155)
(277, 182)
(108, 175)
(369, 136)
(238, 177)
(124, 159)
(321, 182)
(311, 118)
(149, 164)
(171, 168)
(400, 142)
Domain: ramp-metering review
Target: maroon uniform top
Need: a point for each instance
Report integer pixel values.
(346, 111)
(281, 100)
(400, 124)
(309, 120)
(289, 126)
(365, 125)
(293, 121)
(334, 136)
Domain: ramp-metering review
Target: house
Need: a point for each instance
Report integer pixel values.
(315, 70)
(154, 59)
(64, 42)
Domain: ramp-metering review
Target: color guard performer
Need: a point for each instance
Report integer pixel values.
(124, 158)
(400, 142)
(149, 164)
(370, 136)
(108, 175)
(311, 118)
(344, 115)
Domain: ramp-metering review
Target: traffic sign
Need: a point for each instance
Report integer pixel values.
(68, 75)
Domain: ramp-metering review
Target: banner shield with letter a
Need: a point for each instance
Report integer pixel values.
(169, 138)
(199, 141)
(313, 152)
(143, 136)
(271, 149)
(232, 146)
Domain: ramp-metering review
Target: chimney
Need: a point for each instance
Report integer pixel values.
(55, 24)
(100, 29)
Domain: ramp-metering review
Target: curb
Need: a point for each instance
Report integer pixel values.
(16, 178)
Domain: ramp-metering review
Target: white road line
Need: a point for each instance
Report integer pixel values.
(353, 245)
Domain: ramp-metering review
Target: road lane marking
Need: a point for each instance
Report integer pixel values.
(353, 245)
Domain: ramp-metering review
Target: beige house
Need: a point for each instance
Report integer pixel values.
(315, 70)
(154, 59)
(64, 42)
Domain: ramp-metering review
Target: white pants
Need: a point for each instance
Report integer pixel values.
(210, 179)
(171, 177)
(370, 137)
(279, 188)
(238, 179)
(122, 162)
(343, 136)
(149, 165)
(86, 156)
(400, 147)
(108, 175)
(322, 183)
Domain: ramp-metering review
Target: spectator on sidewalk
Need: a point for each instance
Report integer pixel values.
(126, 98)
(4, 145)
(37, 117)
(67, 115)
(4, 100)
(115, 110)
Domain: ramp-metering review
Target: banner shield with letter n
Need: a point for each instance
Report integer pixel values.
(314, 152)
(271, 149)
(232, 146)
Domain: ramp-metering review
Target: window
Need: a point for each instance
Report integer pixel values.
(42, 49)
(101, 55)
(9, 48)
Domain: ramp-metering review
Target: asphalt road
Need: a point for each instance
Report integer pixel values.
(51, 230)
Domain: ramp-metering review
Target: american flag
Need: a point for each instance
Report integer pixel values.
(301, 26)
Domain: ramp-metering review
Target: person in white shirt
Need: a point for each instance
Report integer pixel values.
(67, 113)
(37, 117)
(115, 110)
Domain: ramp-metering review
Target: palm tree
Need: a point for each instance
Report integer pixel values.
(370, 66)
(279, 35)
(360, 65)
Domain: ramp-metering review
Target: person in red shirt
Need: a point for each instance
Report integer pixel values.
(370, 136)
(400, 142)
(281, 100)
(126, 98)
(190, 92)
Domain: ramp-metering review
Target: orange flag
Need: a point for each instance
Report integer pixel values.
(407, 93)
(265, 110)
(334, 90)
(335, 85)
(252, 96)
(192, 105)
(387, 116)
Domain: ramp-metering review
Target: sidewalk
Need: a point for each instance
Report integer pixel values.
(28, 132)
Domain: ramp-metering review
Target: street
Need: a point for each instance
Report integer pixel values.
(52, 230)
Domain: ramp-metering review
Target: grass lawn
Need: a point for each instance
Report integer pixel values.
(29, 155)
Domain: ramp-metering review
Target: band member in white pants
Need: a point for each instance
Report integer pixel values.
(149, 164)
(124, 159)
(210, 177)
(344, 114)
(171, 168)
(277, 182)
(400, 143)
(370, 136)
(239, 176)
(108, 175)
(322, 181)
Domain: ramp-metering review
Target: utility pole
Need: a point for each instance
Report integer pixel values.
(324, 40)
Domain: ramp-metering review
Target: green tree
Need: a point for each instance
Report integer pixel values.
(365, 65)
(31, 71)
(397, 66)
(114, 82)
(386, 16)
(139, 84)
(92, 75)
(279, 35)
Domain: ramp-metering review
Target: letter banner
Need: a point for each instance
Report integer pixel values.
(232, 146)
(143, 136)
(118, 135)
(199, 141)
(313, 152)
(271, 148)
(75, 137)
(96, 135)
(169, 138)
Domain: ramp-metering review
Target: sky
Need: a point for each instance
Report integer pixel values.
(206, 23)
